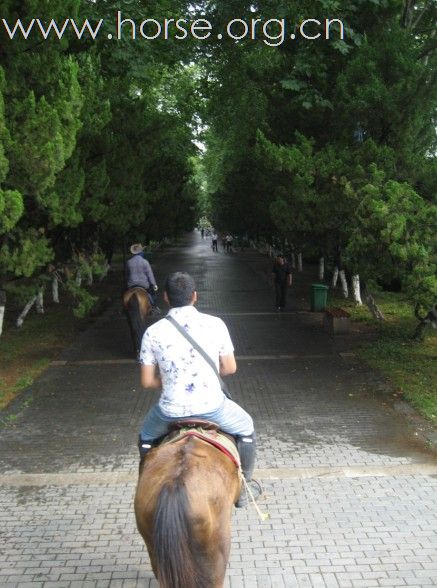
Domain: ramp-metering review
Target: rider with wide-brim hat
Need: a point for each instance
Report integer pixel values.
(139, 270)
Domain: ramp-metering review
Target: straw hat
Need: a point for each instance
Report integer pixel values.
(137, 248)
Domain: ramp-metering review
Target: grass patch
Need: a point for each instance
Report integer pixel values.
(410, 366)
(26, 352)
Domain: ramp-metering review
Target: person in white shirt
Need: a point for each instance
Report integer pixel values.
(189, 387)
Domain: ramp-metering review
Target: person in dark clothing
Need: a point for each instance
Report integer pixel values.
(281, 274)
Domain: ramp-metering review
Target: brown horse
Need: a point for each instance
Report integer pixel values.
(183, 506)
(137, 305)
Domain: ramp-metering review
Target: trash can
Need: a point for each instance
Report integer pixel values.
(319, 296)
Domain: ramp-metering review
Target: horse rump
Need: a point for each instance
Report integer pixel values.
(183, 505)
(137, 311)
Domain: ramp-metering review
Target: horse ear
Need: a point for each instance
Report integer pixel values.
(166, 300)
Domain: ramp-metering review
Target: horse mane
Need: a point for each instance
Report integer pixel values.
(174, 545)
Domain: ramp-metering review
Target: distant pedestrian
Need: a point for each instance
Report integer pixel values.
(282, 278)
(202, 233)
(214, 241)
(228, 243)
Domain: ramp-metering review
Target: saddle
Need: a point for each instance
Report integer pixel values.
(207, 431)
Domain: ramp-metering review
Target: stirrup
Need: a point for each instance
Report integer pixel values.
(144, 447)
(255, 491)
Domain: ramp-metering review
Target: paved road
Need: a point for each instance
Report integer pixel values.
(350, 487)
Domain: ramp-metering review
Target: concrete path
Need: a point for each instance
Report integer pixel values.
(350, 486)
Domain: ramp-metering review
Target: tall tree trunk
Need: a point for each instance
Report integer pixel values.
(25, 311)
(55, 288)
(2, 308)
(371, 304)
(293, 260)
(299, 262)
(79, 278)
(334, 277)
(356, 294)
(343, 282)
(321, 268)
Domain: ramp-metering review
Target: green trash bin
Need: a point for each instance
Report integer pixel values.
(319, 296)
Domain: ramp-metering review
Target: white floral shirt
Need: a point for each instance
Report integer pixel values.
(189, 385)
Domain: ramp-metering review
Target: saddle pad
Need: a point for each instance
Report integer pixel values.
(220, 441)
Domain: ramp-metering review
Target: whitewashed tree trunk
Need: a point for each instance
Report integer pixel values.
(321, 268)
(343, 282)
(2, 308)
(373, 307)
(299, 262)
(293, 260)
(25, 312)
(39, 302)
(55, 289)
(334, 277)
(79, 278)
(356, 291)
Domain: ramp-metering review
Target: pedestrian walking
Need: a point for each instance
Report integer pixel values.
(282, 279)
(214, 241)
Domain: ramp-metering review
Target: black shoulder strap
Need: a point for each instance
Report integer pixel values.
(197, 347)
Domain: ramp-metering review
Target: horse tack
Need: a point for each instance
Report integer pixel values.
(218, 440)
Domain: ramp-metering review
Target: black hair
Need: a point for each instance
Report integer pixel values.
(180, 288)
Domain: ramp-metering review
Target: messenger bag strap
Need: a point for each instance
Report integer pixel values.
(197, 347)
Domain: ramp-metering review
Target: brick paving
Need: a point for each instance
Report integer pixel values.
(349, 485)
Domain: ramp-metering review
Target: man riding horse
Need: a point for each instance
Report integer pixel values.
(187, 382)
(139, 272)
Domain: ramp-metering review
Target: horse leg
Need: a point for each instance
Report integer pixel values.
(131, 331)
(137, 321)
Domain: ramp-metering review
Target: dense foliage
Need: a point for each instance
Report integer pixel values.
(327, 144)
(330, 144)
(95, 146)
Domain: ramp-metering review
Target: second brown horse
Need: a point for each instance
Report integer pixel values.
(137, 305)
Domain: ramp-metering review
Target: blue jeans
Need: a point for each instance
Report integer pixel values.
(230, 418)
